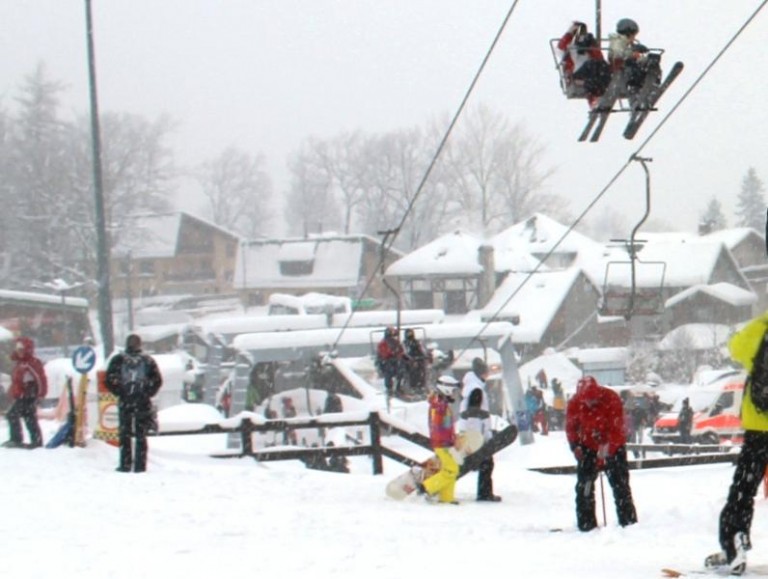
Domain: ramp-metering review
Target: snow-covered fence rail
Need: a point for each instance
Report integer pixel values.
(249, 424)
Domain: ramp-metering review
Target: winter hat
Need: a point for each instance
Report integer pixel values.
(479, 366)
(133, 344)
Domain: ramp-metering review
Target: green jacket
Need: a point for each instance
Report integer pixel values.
(743, 347)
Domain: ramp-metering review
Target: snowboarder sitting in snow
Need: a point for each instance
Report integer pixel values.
(28, 385)
(442, 437)
(475, 419)
(134, 378)
(594, 426)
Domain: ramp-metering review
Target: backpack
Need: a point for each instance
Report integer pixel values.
(758, 378)
(133, 377)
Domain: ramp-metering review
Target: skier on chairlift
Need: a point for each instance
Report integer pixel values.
(629, 57)
(583, 63)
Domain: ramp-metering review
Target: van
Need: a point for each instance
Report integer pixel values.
(716, 414)
(308, 304)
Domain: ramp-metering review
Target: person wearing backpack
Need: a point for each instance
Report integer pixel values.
(748, 347)
(134, 378)
(28, 385)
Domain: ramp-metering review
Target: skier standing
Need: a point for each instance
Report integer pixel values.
(594, 426)
(134, 378)
(736, 516)
(685, 422)
(475, 419)
(28, 385)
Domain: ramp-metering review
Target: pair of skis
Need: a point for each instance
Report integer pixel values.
(642, 105)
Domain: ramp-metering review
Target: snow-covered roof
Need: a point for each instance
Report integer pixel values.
(555, 365)
(18, 296)
(595, 355)
(538, 234)
(455, 253)
(696, 337)
(732, 237)
(536, 303)
(682, 261)
(336, 262)
(156, 235)
(722, 291)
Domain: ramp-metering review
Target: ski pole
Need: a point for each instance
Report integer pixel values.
(602, 497)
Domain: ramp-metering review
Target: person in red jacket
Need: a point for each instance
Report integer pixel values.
(28, 385)
(594, 426)
(583, 63)
(389, 358)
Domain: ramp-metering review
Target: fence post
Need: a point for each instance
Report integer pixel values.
(246, 427)
(378, 465)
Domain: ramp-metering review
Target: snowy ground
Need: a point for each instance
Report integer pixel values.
(67, 513)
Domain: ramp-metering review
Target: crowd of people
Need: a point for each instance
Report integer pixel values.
(598, 424)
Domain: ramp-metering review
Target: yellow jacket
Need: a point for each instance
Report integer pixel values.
(743, 347)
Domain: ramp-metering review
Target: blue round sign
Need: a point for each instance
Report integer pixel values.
(84, 359)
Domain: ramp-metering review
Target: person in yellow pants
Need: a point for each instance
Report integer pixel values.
(442, 436)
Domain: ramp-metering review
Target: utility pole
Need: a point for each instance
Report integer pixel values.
(102, 242)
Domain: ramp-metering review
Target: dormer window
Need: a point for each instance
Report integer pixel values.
(297, 258)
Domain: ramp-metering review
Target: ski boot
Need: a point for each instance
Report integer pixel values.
(739, 563)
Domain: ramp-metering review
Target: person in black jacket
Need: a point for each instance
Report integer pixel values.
(134, 378)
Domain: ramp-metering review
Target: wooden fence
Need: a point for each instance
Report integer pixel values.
(246, 428)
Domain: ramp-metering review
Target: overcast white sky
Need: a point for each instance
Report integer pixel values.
(263, 75)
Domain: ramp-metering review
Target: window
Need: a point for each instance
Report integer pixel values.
(296, 268)
(455, 302)
(422, 300)
(147, 267)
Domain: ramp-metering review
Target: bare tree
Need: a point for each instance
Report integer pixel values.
(495, 173)
(310, 205)
(238, 191)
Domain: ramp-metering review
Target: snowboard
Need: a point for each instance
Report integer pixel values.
(650, 98)
(499, 441)
(751, 571)
(67, 431)
(404, 484)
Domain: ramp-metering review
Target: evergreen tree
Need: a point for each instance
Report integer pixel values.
(713, 218)
(750, 209)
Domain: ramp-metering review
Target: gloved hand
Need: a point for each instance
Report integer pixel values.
(577, 28)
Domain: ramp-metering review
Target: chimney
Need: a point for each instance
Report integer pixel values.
(487, 283)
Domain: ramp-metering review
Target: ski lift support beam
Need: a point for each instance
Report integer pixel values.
(387, 234)
(632, 248)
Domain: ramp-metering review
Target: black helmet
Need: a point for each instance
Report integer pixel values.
(627, 26)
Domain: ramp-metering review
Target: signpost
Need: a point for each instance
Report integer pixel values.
(83, 361)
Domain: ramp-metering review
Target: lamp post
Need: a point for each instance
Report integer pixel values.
(102, 245)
